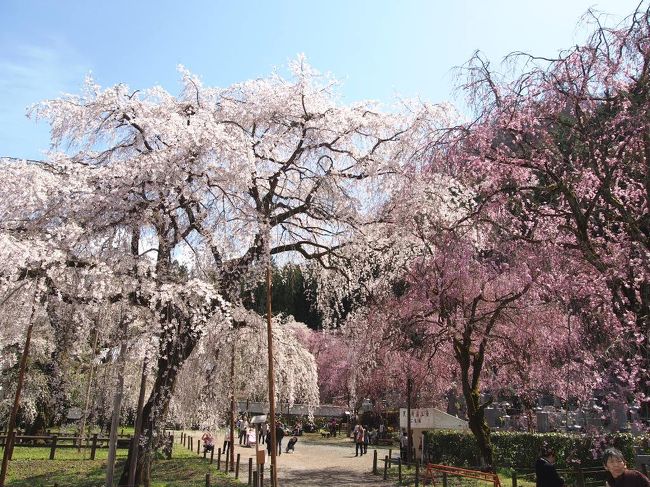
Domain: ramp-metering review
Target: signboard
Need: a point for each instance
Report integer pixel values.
(431, 418)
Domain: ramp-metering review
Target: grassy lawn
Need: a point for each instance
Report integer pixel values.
(31, 468)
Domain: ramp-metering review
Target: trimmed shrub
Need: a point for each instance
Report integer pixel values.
(515, 449)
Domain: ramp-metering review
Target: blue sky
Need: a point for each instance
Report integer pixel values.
(378, 49)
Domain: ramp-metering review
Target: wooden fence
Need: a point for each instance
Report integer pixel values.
(418, 474)
(55, 442)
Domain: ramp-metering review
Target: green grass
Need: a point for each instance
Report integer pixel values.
(184, 470)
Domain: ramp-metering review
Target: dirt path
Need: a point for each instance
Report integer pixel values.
(318, 464)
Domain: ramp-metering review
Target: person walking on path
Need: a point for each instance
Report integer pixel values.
(618, 475)
(264, 429)
(359, 434)
(366, 440)
(279, 434)
(403, 444)
(545, 473)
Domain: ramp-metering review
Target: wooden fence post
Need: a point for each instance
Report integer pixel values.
(207, 480)
(93, 447)
(444, 479)
(53, 449)
(417, 474)
(514, 478)
(399, 471)
(219, 459)
(211, 455)
(386, 467)
(250, 472)
(374, 462)
(255, 483)
(581, 478)
(237, 466)
(261, 477)
(198, 447)
(226, 465)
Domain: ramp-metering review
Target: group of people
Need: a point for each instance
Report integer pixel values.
(279, 436)
(613, 460)
(246, 432)
(249, 435)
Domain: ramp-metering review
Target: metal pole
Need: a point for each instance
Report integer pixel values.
(14, 410)
(274, 473)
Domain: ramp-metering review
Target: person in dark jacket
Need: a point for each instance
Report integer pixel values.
(618, 475)
(545, 473)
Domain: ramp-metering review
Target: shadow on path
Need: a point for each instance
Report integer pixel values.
(329, 477)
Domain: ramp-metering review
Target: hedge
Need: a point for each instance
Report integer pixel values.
(515, 449)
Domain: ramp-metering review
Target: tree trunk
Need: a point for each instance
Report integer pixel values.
(470, 368)
(481, 431)
(175, 346)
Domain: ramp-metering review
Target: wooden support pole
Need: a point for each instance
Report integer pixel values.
(386, 467)
(117, 405)
(237, 466)
(53, 447)
(417, 475)
(219, 459)
(93, 448)
(211, 455)
(14, 411)
(250, 472)
(514, 478)
(271, 377)
(207, 480)
(135, 445)
(374, 462)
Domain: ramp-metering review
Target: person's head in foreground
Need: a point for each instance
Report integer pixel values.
(614, 462)
(548, 453)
